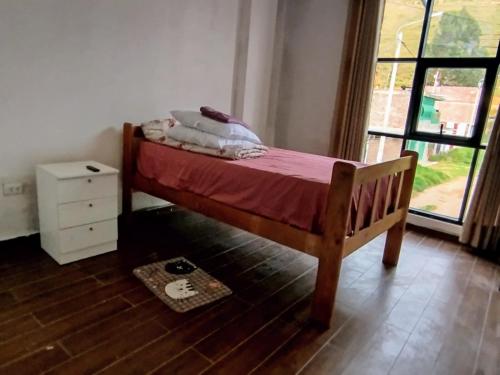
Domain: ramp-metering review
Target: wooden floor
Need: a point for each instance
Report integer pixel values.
(437, 312)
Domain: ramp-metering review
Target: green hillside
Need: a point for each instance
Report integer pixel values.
(407, 16)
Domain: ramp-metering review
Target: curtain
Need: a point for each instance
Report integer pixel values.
(350, 118)
(481, 228)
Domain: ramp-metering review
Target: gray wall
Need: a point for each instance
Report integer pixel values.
(309, 73)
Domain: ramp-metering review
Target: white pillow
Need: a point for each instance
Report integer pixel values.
(186, 134)
(196, 120)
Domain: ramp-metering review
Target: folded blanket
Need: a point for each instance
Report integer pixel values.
(155, 130)
(227, 152)
(221, 116)
(158, 131)
(195, 120)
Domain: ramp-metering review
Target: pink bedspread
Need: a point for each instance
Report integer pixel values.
(287, 186)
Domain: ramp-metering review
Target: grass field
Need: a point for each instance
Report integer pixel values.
(445, 167)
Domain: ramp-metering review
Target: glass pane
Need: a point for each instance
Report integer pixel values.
(450, 101)
(391, 97)
(463, 28)
(382, 148)
(441, 177)
(492, 113)
(401, 28)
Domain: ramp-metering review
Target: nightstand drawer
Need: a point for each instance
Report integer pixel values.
(76, 238)
(86, 212)
(77, 189)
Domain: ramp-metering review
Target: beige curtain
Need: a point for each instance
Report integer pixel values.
(350, 118)
(481, 228)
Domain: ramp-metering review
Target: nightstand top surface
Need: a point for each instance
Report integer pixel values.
(76, 169)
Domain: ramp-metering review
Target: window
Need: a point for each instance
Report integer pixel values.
(436, 91)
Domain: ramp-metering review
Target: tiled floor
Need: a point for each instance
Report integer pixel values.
(437, 312)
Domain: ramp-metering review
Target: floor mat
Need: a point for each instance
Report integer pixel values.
(193, 289)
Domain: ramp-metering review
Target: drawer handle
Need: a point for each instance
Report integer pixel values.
(91, 229)
(91, 205)
(89, 180)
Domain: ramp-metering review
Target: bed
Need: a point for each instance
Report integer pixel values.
(325, 207)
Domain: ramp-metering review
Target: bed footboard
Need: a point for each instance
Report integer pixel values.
(392, 182)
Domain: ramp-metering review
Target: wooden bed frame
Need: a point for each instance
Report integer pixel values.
(333, 244)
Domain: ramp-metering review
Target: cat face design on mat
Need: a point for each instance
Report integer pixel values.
(180, 289)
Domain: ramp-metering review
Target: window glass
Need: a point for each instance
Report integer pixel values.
(380, 148)
(401, 28)
(450, 101)
(391, 97)
(463, 28)
(441, 177)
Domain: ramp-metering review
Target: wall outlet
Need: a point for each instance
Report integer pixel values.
(13, 188)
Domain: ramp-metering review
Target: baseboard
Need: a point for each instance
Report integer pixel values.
(10, 237)
(419, 223)
(434, 225)
(432, 233)
(20, 242)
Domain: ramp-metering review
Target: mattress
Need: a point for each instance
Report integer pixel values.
(286, 186)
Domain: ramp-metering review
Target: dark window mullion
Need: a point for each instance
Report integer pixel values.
(415, 94)
(415, 99)
(458, 62)
(484, 104)
(447, 140)
(425, 27)
(385, 134)
(430, 215)
(397, 60)
(424, 138)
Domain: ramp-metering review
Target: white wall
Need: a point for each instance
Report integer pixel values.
(259, 67)
(72, 71)
(309, 73)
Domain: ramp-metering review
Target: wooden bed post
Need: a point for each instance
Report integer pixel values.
(395, 235)
(331, 253)
(127, 171)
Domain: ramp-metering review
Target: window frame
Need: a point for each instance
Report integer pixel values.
(422, 64)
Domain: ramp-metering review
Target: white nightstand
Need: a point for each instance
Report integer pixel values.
(77, 209)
